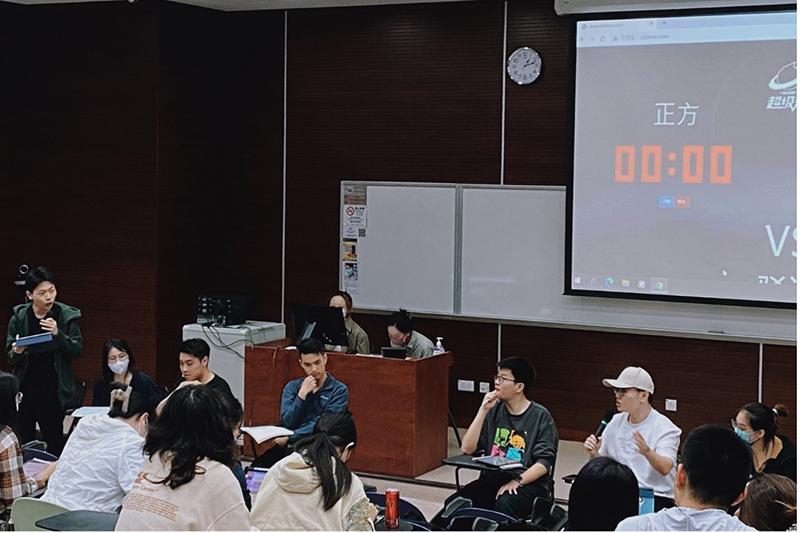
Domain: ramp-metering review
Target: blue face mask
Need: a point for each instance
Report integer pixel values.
(742, 434)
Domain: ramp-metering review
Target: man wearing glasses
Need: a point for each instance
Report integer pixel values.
(639, 436)
(44, 370)
(510, 425)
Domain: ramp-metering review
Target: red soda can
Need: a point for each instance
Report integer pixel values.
(392, 513)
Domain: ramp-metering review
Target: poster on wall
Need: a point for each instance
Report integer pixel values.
(354, 212)
(355, 221)
(349, 250)
(350, 275)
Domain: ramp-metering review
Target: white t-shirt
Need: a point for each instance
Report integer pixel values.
(659, 433)
(684, 519)
(98, 465)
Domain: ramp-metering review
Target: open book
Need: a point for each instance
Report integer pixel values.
(34, 466)
(262, 433)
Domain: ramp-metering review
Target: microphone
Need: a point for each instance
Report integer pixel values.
(604, 422)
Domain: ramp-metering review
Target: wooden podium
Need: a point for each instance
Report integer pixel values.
(399, 406)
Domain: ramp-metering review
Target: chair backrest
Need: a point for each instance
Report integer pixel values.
(25, 512)
(29, 454)
(406, 510)
(466, 515)
(548, 515)
(472, 523)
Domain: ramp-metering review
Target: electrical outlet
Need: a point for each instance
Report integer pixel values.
(466, 385)
(484, 387)
(670, 405)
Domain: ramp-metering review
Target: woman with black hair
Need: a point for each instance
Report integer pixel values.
(103, 454)
(604, 493)
(119, 366)
(13, 481)
(312, 489)
(186, 482)
(757, 425)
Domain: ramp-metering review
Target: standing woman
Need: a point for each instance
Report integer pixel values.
(186, 482)
(13, 482)
(357, 339)
(757, 425)
(119, 366)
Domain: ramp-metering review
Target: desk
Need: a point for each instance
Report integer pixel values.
(465, 461)
(79, 521)
(400, 406)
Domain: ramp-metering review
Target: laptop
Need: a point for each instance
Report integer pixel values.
(393, 353)
(503, 463)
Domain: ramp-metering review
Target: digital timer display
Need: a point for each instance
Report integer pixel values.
(649, 163)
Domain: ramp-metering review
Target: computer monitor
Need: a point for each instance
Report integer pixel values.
(323, 323)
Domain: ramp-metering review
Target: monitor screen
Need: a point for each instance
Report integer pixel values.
(685, 171)
(323, 323)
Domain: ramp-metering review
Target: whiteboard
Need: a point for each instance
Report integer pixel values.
(496, 253)
(513, 269)
(407, 257)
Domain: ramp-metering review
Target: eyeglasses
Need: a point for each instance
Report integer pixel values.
(621, 392)
(735, 426)
(501, 379)
(119, 357)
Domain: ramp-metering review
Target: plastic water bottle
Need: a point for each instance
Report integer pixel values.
(439, 347)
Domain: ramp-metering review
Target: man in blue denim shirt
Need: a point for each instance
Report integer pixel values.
(304, 400)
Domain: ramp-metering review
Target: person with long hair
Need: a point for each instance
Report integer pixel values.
(186, 482)
(103, 454)
(13, 481)
(312, 489)
(118, 365)
(757, 425)
(604, 493)
(770, 503)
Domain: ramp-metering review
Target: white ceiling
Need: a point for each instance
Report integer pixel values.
(253, 5)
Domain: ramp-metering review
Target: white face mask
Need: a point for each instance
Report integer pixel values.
(119, 368)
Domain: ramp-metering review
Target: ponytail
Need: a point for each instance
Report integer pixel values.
(333, 432)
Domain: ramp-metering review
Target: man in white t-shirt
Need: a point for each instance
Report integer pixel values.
(639, 436)
(711, 478)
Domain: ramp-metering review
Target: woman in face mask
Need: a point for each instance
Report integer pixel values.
(757, 425)
(118, 367)
(103, 454)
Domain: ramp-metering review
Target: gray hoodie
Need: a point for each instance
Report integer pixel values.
(684, 519)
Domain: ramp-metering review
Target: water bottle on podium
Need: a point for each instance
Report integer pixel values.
(439, 347)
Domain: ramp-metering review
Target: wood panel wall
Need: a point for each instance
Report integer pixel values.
(142, 149)
(78, 167)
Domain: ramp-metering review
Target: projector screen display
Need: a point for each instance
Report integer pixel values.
(685, 158)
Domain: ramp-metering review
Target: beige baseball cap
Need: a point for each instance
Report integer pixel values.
(633, 376)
